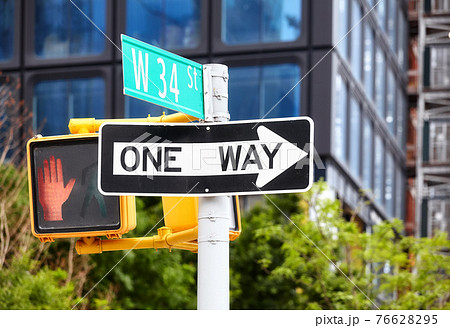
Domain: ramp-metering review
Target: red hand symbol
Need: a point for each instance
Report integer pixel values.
(52, 193)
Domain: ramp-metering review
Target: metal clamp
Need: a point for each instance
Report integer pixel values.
(219, 94)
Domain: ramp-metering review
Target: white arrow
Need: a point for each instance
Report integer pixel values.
(269, 156)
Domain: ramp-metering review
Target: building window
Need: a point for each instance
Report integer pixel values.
(391, 24)
(340, 119)
(254, 91)
(368, 60)
(356, 41)
(355, 137)
(381, 13)
(400, 193)
(439, 142)
(380, 72)
(389, 186)
(379, 169)
(342, 21)
(390, 101)
(61, 30)
(439, 215)
(440, 67)
(402, 40)
(136, 108)
(169, 24)
(266, 21)
(367, 153)
(401, 110)
(55, 102)
(6, 29)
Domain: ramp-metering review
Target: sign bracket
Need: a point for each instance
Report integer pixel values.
(215, 111)
(92, 125)
(164, 239)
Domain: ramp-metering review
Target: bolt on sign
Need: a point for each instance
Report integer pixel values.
(64, 198)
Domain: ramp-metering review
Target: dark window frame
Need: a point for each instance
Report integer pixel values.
(31, 60)
(388, 153)
(360, 103)
(300, 59)
(344, 41)
(383, 82)
(31, 78)
(393, 44)
(353, 92)
(401, 97)
(200, 50)
(400, 192)
(379, 202)
(14, 61)
(350, 37)
(348, 86)
(365, 115)
(219, 47)
(392, 89)
(402, 38)
(369, 93)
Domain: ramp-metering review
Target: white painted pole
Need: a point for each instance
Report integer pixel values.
(215, 213)
(213, 253)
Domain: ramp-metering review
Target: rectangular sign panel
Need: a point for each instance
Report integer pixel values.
(64, 198)
(245, 157)
(162, 78)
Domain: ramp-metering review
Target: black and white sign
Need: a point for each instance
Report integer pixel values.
(243, 157)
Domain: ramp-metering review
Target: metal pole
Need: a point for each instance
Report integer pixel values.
(215, 213)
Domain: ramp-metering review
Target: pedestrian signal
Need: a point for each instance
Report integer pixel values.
(64, 197)
(181, 213)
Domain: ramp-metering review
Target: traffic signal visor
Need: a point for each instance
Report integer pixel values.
(64, 198)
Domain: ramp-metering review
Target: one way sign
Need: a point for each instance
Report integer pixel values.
(244, 157)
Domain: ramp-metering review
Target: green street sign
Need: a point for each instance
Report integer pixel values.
(162, 78)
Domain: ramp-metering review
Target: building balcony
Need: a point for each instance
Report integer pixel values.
(437, 7)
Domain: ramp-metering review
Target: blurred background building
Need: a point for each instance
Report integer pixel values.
(428, 148)
(342, 62)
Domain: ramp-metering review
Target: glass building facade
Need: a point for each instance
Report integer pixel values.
(7, 27)
(61, 32)
(338, 61)
(369, 105)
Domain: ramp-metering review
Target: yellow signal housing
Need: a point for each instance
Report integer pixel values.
(181, 213)
(64, 199)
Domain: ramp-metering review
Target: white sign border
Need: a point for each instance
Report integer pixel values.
(249, 193)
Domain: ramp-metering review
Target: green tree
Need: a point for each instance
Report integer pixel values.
(143, 279)
(25, 282)
(287, 258)
(25, 285)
